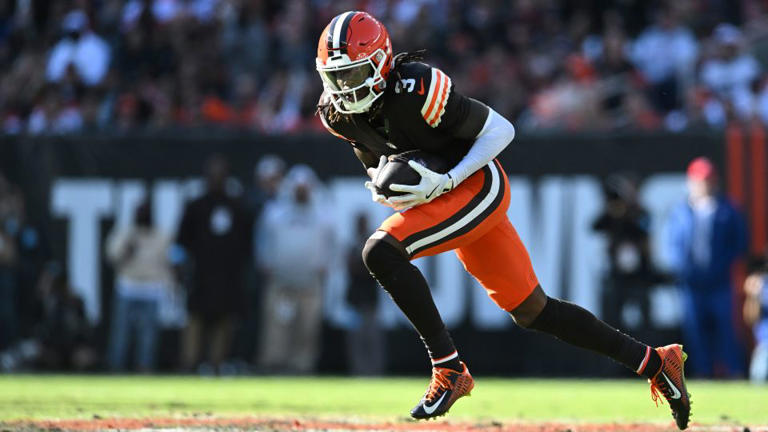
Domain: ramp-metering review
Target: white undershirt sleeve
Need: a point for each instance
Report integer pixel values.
(496, 134)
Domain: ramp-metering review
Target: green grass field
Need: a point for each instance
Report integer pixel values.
(57, 397)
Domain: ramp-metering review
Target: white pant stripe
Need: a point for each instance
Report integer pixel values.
(468, 218)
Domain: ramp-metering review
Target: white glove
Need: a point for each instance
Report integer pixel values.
(431, 186)
(372, 173)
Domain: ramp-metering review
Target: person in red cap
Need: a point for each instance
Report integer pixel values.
(702, 179)
(707, 235)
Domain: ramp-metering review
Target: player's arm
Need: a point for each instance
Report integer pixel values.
(371, 162)
(491, 132)
(366, 157)
(372, 166)
(465, 119)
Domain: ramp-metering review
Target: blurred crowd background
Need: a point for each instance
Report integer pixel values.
(120, 66)
(241, 285)
(79, 65)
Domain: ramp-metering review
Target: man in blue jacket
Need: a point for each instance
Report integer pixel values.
(707, 236)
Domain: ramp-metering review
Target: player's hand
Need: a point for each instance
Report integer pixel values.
(375, 195)
(431, 186)
(372, 173)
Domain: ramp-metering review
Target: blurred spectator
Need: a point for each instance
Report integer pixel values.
(65, 337)
(626, 224)
(669, 72)
(707, 236)
(756, 316)
(23, 253)
(143, 273)
(170, 63)
(621, 85)
(267, 176)
(571, 101)
(32, 253)
(80, 49)
(215, 232)
(62, 339)
(295, 249)
(9, 203)
(365, 340)
(244, 29)
(731, 72)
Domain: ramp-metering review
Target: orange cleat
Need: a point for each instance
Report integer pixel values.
(670, 382)
(446, 387)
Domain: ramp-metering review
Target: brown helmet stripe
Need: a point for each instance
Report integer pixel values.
(344, 30)
(329, 39)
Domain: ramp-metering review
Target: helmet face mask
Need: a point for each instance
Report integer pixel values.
(354, 57)
(349, 77)
(353, 86)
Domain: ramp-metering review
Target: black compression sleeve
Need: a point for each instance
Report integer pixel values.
(577, 326)
(408, 288)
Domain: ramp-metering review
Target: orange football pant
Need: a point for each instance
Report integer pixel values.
(472, 219)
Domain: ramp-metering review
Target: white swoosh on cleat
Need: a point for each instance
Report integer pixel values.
(430, 409)
(676, 393)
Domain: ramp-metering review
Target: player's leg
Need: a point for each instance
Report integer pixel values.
(392, 268)
(449, 221)
(499, 261)
(577, 326)
(384, 257)
(452, 219)
(501, 264)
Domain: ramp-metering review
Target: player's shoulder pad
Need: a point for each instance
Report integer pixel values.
(323, 110)
(432, 85)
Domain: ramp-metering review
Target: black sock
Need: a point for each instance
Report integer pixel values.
(409, 290)
(577, 326)
(439, 344)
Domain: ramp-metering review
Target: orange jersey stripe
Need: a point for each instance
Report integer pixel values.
(433, 101)
(439, 113)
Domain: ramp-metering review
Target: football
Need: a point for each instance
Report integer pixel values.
(397, 170)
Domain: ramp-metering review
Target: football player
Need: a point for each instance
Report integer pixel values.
(384, 104)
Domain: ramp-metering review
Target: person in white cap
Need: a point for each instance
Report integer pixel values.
(295, 249)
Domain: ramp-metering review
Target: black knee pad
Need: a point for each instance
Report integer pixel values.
(382, 257)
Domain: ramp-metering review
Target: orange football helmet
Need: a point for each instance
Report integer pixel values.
(354, 57)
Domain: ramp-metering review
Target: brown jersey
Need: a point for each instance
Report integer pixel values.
(420, 110)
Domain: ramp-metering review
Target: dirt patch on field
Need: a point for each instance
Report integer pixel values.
(200, 423)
